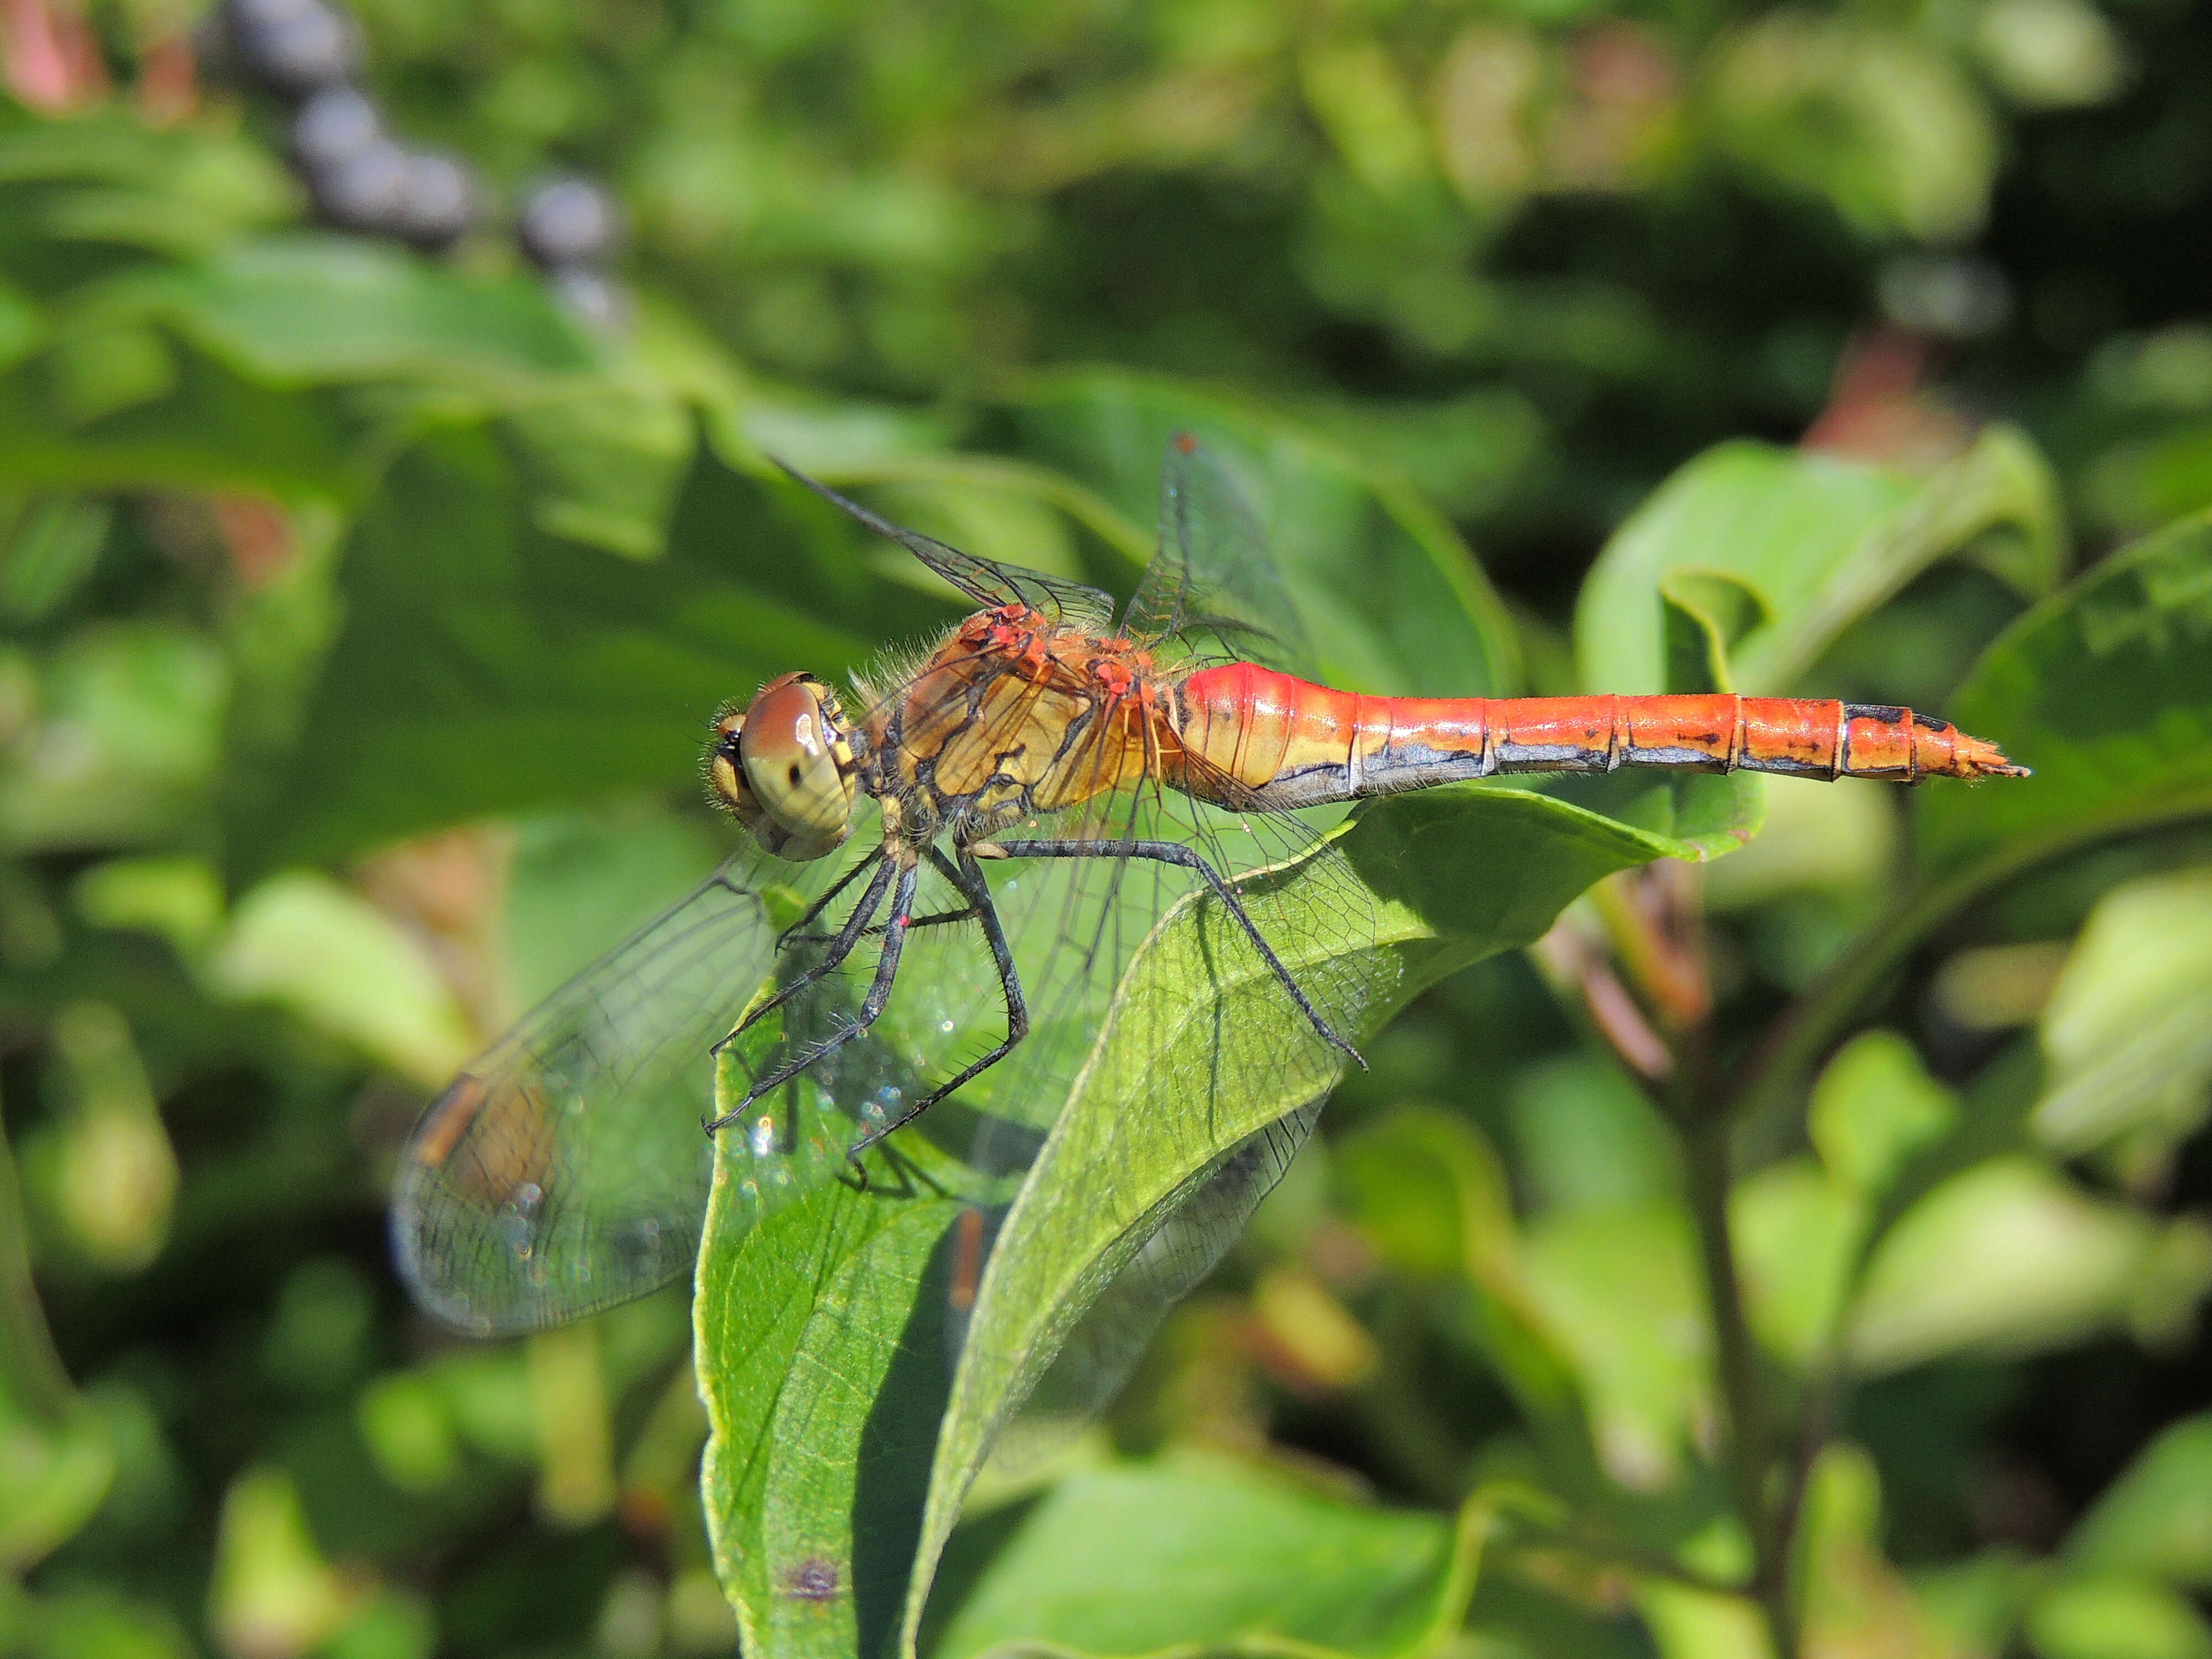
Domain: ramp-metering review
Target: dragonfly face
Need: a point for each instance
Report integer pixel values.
(783, 767)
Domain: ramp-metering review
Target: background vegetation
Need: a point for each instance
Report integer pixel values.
(1800, 1251)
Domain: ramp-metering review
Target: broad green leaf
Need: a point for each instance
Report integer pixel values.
(1880, 121)
(1815, 837)
(123, 742)
(2105, 690)
(2127, 1035)
(1874, 1108)
(1585, 1137)
(1853, 1601)
(2116, 1617)
(1977, 1601)
(1802, 1226)
(1699, 1624)
(1434, 1195)
(605, 463)
(1797, 1236)
(2154, 1521)
(21, 327)
(1799, 546)
(313, 310)
(53, 1477)
(337, 963)
(273, 1588)
(1617, 1289)
(828, 1535)
(1131, 1141)
(1231, 1557)
(2008, 1258)
(104, 184)
(215, 429)
(1705, 614)
(486, 666)
(1390, 598)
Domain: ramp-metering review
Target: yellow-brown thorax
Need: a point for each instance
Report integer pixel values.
(1014, 715)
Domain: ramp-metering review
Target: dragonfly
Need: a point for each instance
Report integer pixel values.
(942, 882)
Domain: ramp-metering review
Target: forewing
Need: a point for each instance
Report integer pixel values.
(566, 1169)
(984, 580)
(1212, 580)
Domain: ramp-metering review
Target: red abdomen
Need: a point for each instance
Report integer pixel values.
(1294, 743)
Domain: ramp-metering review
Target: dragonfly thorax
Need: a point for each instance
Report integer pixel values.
(783, 767)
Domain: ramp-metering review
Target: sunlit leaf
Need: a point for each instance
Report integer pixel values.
(487, 666)
(1237, 1558)
(1810, 542)
(2128, 1031)
(2155, 1520)
(2105, 690)
(2008, 1258)
(2117, 1618)
(829, 1473)
(310, 310)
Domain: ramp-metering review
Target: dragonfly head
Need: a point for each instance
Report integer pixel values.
(782, 766)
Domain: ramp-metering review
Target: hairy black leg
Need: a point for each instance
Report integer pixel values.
(967, 878)
(937, 919)
(840, 948)
(871, 1007)
(791, 935)
(1169, 852)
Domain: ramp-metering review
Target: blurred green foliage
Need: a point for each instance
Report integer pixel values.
(358, 614)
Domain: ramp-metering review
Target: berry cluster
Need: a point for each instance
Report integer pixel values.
(308, 53)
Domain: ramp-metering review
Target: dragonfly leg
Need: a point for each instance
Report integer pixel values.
(1169, 852)
(968, 877)
(791, 935)
(841, 946)
(871, 1007)
(938, 919)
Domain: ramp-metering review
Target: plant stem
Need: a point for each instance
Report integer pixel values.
(29, 1367)
(1705, 1155)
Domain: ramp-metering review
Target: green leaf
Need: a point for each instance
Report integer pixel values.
(1390, 598)
(1434, 1195)
(605, 464)
(2105, 690)
(1880, 121)
(1811, 544)
(1873, 1108)
(1854, 1601)
(487, 666)
(213, 430)
(2008, 1258)
(1617, 1288)
(2155, 1520)
(1230, 1558)
(125, 740)
(23, 326)
(53, 1479)
(1132, 1140)
(825, 1349)
(336, 963)
(1706, 613)
(2116, 1617)
(2127, 1034)
(314, 310)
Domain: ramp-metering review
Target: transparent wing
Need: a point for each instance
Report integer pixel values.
(566, 1169)
(984, 580)
(1212, 575)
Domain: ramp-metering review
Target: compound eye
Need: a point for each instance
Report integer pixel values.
(794, 755)
(725, 771)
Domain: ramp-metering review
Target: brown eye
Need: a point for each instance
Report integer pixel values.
(796, 765)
